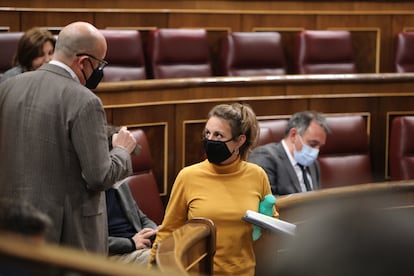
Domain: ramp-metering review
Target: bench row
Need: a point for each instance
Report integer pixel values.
(182, 53)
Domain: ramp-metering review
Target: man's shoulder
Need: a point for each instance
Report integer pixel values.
(270, 147)
(268, 155)
(14, 71)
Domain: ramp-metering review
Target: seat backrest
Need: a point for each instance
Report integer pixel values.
(189, 249)
(345, 158)
(125, 56)
(252, 54)
(271, 131)
(404, 56)
(8, 46)
(142, 183)
(324, 52)
(401, 148)
(178, 53)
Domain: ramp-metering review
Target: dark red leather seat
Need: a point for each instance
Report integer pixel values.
(142, 183)
(324, 52)
(404, 55)
(179, 53)
(8, 46)
(252, 54)
(125, 56)
(271, 131)
(401, 148)
(345, 158)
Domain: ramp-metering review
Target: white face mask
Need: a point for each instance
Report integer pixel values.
(307, 155)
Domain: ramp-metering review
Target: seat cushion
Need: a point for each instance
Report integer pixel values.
(324, 52)
(179, 53)
(252, 53)
(125, 56)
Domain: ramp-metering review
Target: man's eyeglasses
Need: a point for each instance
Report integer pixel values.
(102, 63)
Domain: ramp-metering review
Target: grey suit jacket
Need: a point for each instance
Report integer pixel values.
(282, 177)
(119, 245)
(54, 154)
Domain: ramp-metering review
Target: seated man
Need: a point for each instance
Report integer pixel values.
(130, 231)
(291, 164)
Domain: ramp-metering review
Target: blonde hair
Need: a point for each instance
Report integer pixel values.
(242, 121)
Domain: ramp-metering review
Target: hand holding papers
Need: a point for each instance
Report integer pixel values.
(269, 223)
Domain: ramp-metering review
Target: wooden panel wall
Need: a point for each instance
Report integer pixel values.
(173, 112)
(249, 5)
(374, 24)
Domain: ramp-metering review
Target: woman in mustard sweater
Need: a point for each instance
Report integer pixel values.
(222, 188)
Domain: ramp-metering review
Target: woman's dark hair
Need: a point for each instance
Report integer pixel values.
(30, 46)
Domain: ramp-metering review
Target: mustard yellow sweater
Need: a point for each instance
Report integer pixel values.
(222, 194)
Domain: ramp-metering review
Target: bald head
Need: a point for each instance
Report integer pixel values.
(79, 37)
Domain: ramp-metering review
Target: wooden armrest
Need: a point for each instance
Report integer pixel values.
(189, 249)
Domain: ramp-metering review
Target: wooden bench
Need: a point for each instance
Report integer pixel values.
(395, 197)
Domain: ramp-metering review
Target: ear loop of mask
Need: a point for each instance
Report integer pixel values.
(83, 72)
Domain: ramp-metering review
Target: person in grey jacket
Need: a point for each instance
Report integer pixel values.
(54, 145)
(291, 165)
(131, 232)
(34, 49)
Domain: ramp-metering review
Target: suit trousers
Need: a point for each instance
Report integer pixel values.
(140, 256)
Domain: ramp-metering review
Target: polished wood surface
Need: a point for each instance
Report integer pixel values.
(395, 197)
(189, 249)
(20, 256)
(393, 194)
(215, 4)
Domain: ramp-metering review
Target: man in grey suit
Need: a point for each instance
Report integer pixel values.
(131, 232)
(53, 141)
(291, 164)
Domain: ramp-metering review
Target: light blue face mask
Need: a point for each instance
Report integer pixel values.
(307, 155)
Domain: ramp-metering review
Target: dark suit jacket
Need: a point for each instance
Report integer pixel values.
(119, 245)
(282, 176)
(54, 154)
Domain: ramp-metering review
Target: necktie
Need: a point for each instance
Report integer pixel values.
(305, 177)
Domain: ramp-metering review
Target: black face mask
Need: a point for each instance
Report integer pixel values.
(95, 78)
(216, 151)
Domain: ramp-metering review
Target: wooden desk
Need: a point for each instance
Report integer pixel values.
(395, 197)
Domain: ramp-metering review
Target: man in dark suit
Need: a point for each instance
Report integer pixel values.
(131, 232)
(291, 164)
(53, 141)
